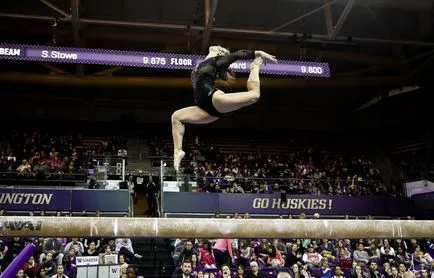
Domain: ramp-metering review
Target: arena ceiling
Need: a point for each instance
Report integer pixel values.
(356, 37)
(372, 46)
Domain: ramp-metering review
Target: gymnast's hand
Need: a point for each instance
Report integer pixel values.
(265, 56)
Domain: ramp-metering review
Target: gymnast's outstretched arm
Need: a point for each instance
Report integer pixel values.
(225, 61)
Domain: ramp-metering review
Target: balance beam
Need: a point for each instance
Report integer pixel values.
(23, 226)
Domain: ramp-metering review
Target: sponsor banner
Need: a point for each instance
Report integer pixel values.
(27, 199)
(192, 202)
(91, 260)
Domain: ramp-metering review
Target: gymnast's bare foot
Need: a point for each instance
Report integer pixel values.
(256, 63)
(265, 56)
(177, 158)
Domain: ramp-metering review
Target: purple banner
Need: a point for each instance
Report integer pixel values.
(187, 202)
(34, 199)
(148, 59)
(19, 261)
(26, 199)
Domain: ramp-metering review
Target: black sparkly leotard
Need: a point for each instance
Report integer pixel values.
(204, 75)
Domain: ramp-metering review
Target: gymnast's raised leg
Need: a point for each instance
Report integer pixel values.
(187, 115)
(225, 103)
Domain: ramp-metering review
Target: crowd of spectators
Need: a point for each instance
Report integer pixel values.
(44, 156)
(57, 257)
(305, 258)
(312, 171)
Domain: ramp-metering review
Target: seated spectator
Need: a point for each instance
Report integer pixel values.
(187, 252)
(25, 167)
(206, 258)
(412, 245)
(91, 250)
(21, 274)
(360, 256)
(294, 255)
(400, 243)
(75, 244)
(262, 249)
(200, 274)
(88, 241)
(373, 251)
(122, 152)
(60, 273)
(184, 272)
(226, 271)
(123, 269)
(424, 273)
(245, 253)
(311, 257)
(255, 273)
(342, 252)
(394, 273)
(31, 268)
(283, 274)
(261, 263)
(373, 271)
(387, 253)
(339, 273)
(327, 249)
(69, 267)
(178, 248)
(420, 258)
(274, 258)
(280, 246)
(404, 257)
(404, 273)
(122, 262)
(53, 246)
(240, 272)
(358, 273)
(387, 270)
(125, 247)
(105, 250)
(48, 264)
(42, 273)
(195, 265)
(326, 271)
(297, 271)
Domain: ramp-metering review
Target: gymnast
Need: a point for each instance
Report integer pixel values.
(211, 102)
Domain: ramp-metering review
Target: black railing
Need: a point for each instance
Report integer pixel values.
(14, 178)
(288, 183)
(416, 175)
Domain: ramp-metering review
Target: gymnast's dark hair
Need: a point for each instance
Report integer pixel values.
(226, 75)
